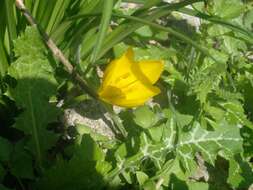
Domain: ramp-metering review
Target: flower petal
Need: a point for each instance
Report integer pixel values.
(128, 83)
(110, 93)
(131, 96)
(138, 94)
(151, 69)
(118, 68)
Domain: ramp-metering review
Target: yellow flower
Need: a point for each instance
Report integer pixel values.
(128, 83)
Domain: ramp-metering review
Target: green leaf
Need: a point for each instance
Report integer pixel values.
(5, 149)
(183, 119)
(121, 152)
(149, 185)
(91, 6)
(144, 117)
(226, 142)
(248, 19)
(141, 177)
(144, 31)
(231, 44)
(157, 132)
(240, 173)
(124, 30)
(21, 163)
(198, 186)
(35, 85)
(2, 173)
(127, 177)
(103, 29)
(150, 3)
(3, 187)
(228, 8)
(81, 171)
(11, 21)
(235, 113)
(3, 60)
(177, 183)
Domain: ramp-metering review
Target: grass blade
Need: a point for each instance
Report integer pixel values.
(11, 24)
(3, 60)
(171, 31)
(105, 21)
(57, 14)
(126, 29)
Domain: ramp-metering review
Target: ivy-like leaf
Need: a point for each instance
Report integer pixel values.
(35, 85)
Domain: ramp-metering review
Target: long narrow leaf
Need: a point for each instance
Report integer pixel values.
(3, 60)
(105, 21)
(171, 31)
(126, 29)
(11, 24)
(220, 21)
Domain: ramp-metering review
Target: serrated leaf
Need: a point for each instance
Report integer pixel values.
(240, 173)
(226, 141)
(235, 113)
(21, 163)
(207, 78)
(83, 171)
(157, 152)
(35, 85)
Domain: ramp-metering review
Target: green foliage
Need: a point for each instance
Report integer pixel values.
(226, 141)
(84, 169)
(6, 149)
(35, 85)
(196, 134)
(144, 117)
